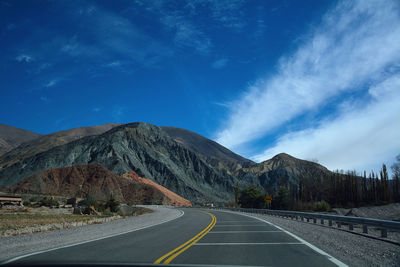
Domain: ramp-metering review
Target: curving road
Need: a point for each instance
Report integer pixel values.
(198, 237)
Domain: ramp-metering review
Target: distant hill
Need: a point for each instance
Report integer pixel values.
(282, 170)
(11, 137)
(96, 181)
(46, 142)
(214, 153)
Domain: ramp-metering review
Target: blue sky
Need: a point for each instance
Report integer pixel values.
(316, 79)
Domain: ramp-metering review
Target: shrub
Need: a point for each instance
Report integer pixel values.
(322, 206)
(48, 202)
(112, 204)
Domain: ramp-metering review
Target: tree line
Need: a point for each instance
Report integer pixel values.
(338, 189)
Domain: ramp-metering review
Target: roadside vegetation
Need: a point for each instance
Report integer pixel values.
(339, 190)
(14, 221)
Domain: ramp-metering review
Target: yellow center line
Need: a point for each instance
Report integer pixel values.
(167, 258)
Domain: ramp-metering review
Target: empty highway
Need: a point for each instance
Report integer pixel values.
(198, 237)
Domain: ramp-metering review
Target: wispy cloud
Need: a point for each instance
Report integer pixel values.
(96, 109)
(228, 12)
(220, 63)
(351, 49)
(359, 138)
(24, 58)
(113, 64)
(186, 33)
(52, 83)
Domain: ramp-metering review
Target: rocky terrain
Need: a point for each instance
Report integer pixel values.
(11, 137)
(141, 147)
(45, 142)
(282, 170)
(170, 197)
(99, 183)
(212, 152)
(186, 163)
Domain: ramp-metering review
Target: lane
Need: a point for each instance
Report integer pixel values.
(143, 246)
(218, 238)
(241, 240)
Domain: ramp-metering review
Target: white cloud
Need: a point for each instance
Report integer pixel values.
(352, 47)
(24, 58)
(96, 109)
(51, 83)
(220, 63)
(360, 139)
(114, 64)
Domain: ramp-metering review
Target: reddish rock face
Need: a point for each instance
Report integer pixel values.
(99, 183)
(171, 197)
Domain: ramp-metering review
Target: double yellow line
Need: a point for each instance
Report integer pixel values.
(167, 258)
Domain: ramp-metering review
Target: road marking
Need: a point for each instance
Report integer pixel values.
(167, 258)
(222, 225)
(233, 232)
(244, 244)
(235, 221)
(87, 241)
(320, 251)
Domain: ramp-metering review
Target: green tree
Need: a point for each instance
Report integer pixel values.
(281, 201)
(251, 197)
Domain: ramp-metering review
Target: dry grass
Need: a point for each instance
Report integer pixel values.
(10, 221)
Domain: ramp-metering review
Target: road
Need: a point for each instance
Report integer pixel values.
(198, 237)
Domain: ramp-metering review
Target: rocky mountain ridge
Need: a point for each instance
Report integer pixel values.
(11, 137)
(45, 142)
(186, 163)
(99, 183)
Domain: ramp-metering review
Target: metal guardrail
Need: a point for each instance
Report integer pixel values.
(383, 225)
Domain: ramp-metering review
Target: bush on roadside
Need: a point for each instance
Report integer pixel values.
(322, 206)
(48, 202)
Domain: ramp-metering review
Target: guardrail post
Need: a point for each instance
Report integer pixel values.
(330, 223)
(365, 229)
(351, 227)
(315, 220)
(302, 218)
(308, 219)
(383, 232)
(322, 221)
(339, 225)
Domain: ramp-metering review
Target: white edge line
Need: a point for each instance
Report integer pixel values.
(230, 232)
(87, 241)
(320, 251)
(250, 244)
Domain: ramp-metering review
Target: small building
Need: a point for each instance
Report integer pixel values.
(10, 200)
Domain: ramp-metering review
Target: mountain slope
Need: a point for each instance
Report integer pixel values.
(212, 152)
(143, 148)
(46, 142)
(96, 181)
(282, 170)
(11, 137)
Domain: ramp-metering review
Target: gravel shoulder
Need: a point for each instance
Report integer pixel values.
(351, 248)
(15, 246)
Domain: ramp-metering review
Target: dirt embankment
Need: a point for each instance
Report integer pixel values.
(384, 212)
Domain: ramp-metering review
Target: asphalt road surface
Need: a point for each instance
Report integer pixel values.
(198, 237)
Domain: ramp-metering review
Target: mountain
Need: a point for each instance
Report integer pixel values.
(11, 137)
(282, 170)
(212, 152)
(46, 142)
(143, 148)
(96, 181)
(170, 198)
